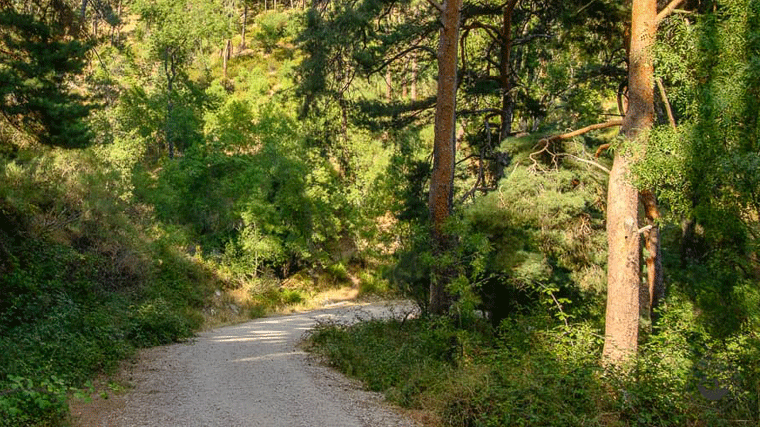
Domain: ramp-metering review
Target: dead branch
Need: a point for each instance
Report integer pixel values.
(582, 131)
(600, 149)
(590, 162)
(667, 103)
(554, 138)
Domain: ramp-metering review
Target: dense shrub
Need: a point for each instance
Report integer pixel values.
(83, 284)
(533, 372)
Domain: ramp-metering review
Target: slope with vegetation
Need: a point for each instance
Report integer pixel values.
(150, 188)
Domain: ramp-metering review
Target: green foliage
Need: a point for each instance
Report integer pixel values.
(531, 373)
(399, 359)
(275, 28)
(267, 199)
(156, 322)
(30, 403)
(85, 284)
(371, 284)
(176, 29)
(94, 244)
(39, 66)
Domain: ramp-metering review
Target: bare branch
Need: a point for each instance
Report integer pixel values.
(491, 30)
(590, 162)
(581, 131)
(528, 38)
(600, 149)
(664, 13)
(402, 53)
(584, 7)
(667, 103)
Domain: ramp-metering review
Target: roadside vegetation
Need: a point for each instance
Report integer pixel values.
(171, 165)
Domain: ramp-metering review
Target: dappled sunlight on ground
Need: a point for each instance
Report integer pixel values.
(238, 373)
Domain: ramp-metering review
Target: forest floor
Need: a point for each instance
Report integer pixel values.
(250, 374)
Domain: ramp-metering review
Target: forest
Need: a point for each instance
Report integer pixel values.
(569, 190)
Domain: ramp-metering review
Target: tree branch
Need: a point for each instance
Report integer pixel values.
(584, 7)
(491, 30)
(581, 131)
(528, 38)
(664, 13)
(600, 149)
(590, 162)
(667, 103)
(400, 54)
(436, 5)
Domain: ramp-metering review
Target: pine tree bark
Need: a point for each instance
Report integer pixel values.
(623, 237)
(442, 178)
(655, 279)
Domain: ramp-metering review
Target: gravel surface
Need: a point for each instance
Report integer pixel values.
(252, 374)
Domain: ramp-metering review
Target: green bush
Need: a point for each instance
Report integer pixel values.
(84, 281)
(27, 402)
(155, 322)
(534, 371)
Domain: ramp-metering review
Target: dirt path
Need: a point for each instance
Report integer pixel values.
(251, 374)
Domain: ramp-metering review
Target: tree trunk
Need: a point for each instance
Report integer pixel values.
(623, 262)
(242, 30)
(505, 78)
(226, 55)
(655, 279)
(388, 84)
(442, 178)
(415, 71)
(82, 11)
(117, 29)
(171, 73)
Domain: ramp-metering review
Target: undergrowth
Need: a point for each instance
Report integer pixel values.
(84, 283)
(531, 372)
(88, 275)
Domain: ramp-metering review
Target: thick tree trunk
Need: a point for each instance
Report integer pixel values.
(442, 178)
(623, 265)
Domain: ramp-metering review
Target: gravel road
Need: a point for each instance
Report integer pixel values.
(252, 374)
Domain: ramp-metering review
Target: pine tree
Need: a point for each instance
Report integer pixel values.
(36, 80)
